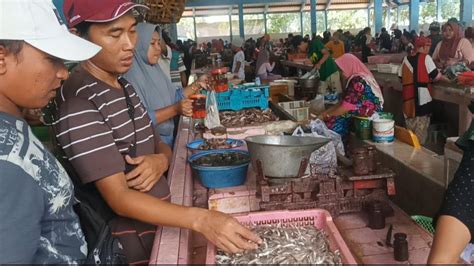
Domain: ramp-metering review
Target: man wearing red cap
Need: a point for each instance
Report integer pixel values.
(417, 72)
(108, 138)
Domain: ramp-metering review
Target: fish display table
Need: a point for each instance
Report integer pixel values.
(182, 246)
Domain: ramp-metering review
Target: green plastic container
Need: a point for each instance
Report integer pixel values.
(363, 127)
(425, 222)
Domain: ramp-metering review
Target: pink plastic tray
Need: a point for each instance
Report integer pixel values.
(321, 219)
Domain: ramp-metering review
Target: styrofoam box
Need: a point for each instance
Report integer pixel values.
(319, 218)
(387, 68)
(293, 104)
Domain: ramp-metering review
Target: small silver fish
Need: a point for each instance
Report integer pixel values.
(286, 244)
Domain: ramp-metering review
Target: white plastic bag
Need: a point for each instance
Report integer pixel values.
(212, 113)
(324, 159)
(321, 129)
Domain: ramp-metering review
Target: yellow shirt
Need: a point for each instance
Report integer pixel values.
(336, 49)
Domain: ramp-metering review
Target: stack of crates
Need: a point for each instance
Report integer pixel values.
(298, 109)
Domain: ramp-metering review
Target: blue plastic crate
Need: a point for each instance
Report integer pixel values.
(243, 97)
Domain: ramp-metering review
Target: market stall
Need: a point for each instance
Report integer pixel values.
(182, 246)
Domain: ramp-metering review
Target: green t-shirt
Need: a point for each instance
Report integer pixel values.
(315, 54)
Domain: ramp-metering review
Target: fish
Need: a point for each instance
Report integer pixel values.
(246, 117)
(285, 244)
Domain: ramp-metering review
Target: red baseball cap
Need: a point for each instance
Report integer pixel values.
(77, 11)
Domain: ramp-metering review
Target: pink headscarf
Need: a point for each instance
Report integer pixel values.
(351, 66)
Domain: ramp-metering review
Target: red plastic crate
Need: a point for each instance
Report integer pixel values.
(321, 219)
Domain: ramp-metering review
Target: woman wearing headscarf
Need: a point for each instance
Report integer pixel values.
(362, 95)
(264, 65)
(161, 98)
(453, 48)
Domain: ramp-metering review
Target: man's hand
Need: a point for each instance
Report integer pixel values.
(148, 170)
(185, 107)
(226, 232)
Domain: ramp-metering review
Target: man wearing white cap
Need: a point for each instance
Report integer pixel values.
(239, 58)
(38, 224)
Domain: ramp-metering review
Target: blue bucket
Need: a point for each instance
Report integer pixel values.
(220, 176)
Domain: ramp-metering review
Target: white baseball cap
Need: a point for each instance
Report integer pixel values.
(38, 23)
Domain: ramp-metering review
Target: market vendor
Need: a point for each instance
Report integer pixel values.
(454, 48)
(161, 98)
(324, 62)
(455, 219)
(417, 72)
(109, 140)
(362, 95)
(238, 64)
(300, 48)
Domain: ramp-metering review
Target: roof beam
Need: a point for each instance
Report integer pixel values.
(197, 3)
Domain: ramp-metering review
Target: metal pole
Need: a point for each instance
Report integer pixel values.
(414, 11)
(378, 15)
(439, 4)
(313, 17)
(194, 25)
(301, 23)
(230, 23)
(326, 20)
(466, 11)
(241, 21)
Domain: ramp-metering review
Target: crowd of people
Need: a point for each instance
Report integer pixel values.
(113, 115)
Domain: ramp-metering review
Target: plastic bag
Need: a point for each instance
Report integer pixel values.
(322, 161)
(212, 112)
(319, 127)
(316, 106)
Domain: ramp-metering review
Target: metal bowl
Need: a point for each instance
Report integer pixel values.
(281, 156)
(309, 83)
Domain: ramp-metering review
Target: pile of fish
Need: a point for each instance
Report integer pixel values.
(286, 245)
(246, 117)
(216, 144)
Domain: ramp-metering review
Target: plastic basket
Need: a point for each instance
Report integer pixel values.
(319, 218)
(243, 97)
(220, 176)
(425, 222)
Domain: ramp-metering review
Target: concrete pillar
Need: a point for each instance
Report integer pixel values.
(173, 29)
(466, 11)
(378, 15)
(241, 21)
(414, 11)
(313, 16)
